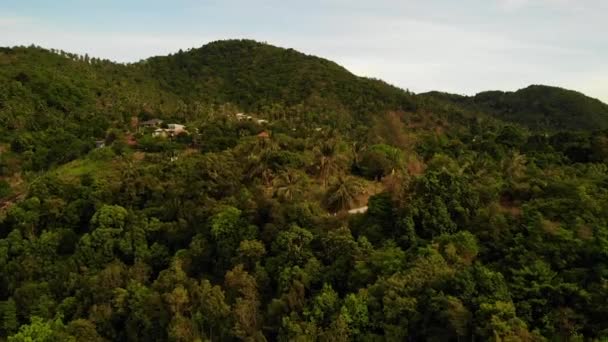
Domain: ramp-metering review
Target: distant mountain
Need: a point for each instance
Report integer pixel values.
(539, 106)
(536, 107)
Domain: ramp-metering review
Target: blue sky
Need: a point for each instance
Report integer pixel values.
(460, 46)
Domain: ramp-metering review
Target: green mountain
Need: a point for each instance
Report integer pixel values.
(544, 107)
(284, 198)
(40, 88)
(251, 75)
(257, 76)
(537, 107)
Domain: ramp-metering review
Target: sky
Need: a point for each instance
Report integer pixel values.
(458, 46)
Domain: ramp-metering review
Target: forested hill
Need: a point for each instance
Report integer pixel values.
(259, 76)
(278, 197)
(538, 107)
(542, 106)
(36, 83)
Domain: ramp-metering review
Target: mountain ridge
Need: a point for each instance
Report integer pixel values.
(259, 77)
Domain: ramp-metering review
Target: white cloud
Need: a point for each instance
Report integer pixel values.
(12, 21)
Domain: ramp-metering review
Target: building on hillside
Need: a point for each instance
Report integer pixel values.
(264, 135)
(175, 129)
(151, 123)
(172, 130)
(361, 210)
(240, 116)
(262, 121)
(100, 143)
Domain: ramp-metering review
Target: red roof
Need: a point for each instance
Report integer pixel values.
(264, 134)
(130, 140)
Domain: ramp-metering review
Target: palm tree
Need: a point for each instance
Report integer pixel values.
(343, 193)
(289, 184)
(357, 151)
(515, 166)
(327, 160)
(257, 155)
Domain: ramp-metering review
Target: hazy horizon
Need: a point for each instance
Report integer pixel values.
(461, 48)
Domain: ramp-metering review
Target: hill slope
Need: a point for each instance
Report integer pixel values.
(251, 75)
(255, 75)
(540, 106)
(39, 88)
(466, 228)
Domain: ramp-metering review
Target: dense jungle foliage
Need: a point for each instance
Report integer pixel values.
(487, 216)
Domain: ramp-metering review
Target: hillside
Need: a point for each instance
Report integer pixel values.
(55, 91)
(537, 107)
(40, 88)
(257, 76)
(282, 198)
(545, 107)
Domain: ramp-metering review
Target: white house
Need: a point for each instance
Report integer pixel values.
(361, 210)
(175, 129)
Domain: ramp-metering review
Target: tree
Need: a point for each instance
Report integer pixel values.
(498, 321)
(289, 185)
(327, 159)
(440, 202)
(211, 312)
(5, 189)
(379, 161)
(110, 217)
(343, 194)
(245, 311)
(43, 331)
(292, 246)
(8, 312)
(228, 230)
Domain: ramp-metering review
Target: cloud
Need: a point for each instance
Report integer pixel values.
(13, 21)
(513, 4)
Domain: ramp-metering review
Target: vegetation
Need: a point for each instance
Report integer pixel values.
(476, 228)
(538, 107)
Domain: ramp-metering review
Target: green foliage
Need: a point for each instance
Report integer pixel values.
(39, 330)
(543, 107)
(268, 75)
(343, 193)
(379, 161)
(475, 229)
(5, 189)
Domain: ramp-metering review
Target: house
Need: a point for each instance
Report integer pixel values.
(175, 129)
(172, 130)
(151, 123)
(361, 210)
(240, 116)
(261, 121)
(264, 135)
(100, 143)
